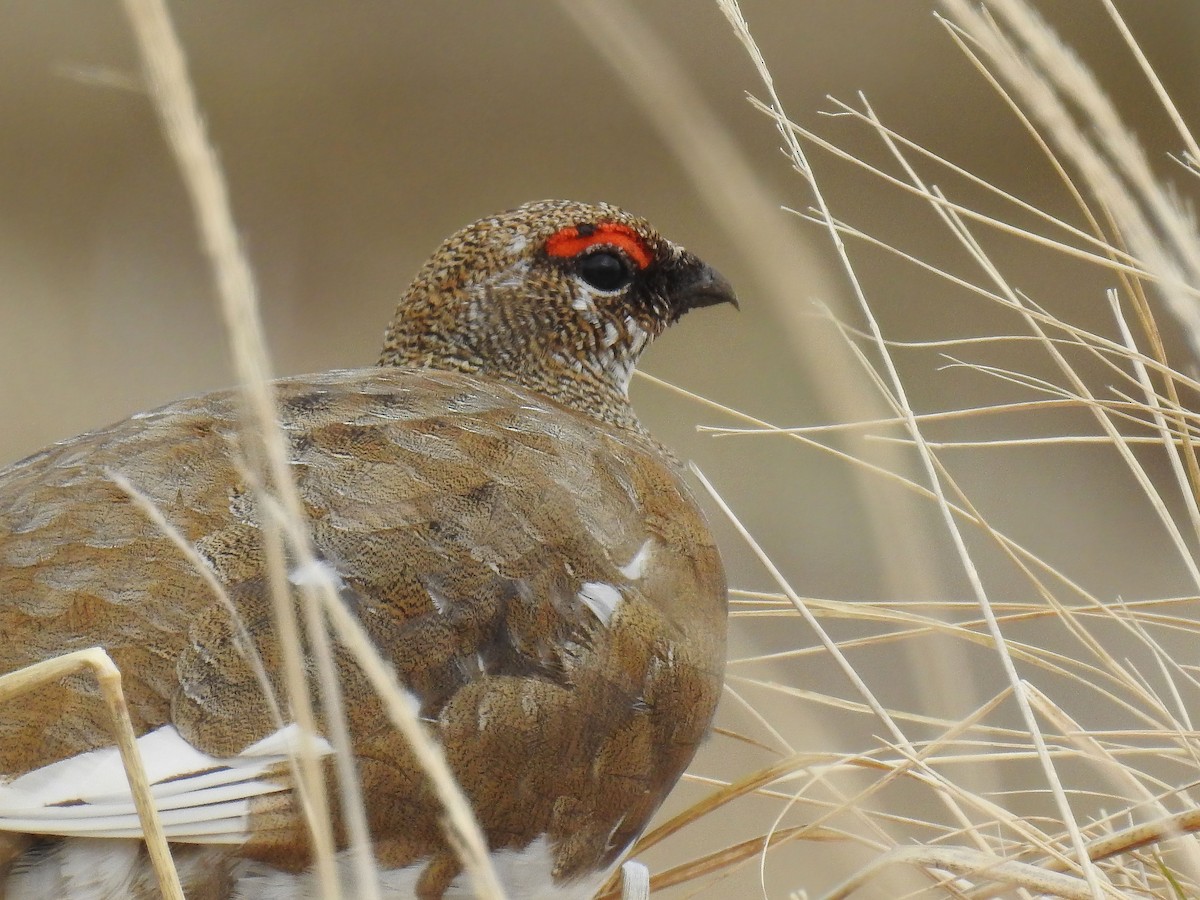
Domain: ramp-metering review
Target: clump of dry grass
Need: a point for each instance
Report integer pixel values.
(1072, 774)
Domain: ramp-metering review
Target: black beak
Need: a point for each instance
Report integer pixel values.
(696, 284)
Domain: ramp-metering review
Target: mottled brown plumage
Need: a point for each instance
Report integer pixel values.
(528, 558)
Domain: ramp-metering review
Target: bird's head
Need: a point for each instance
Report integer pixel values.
(557, 296)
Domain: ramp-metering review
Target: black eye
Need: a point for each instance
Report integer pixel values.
(605, 270)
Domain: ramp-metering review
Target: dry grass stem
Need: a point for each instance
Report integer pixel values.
(170, 89)
(108, 678)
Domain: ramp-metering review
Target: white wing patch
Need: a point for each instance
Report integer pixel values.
(201, 799)
(636, 567)
(602, 599)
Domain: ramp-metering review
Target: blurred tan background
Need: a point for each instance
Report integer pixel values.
(356, 136)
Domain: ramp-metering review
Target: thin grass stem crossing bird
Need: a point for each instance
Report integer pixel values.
(515, 544)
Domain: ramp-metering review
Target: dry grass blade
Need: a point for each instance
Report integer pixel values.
(745, 786)
(727, 858)
(108, 678)
(966, 862)
(170, 88)
(202, 568)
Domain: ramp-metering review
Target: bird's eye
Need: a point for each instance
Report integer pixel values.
(605, 270)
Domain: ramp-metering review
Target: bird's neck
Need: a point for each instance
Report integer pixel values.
(596, 387)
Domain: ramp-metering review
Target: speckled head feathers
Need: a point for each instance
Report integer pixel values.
(558, 296)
